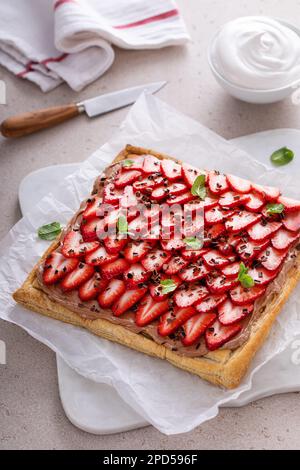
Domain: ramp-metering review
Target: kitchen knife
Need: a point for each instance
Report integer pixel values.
(27, 123)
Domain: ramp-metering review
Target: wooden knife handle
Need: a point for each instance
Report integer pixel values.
(27, 123)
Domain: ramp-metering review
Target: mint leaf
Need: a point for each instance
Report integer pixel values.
(122, 224)
(245, 279)
(193, 243)
(242, 271)
(168, 285)
(198, 188)
(282, 156)
(128, 163)
(49, 231)
(275, 208)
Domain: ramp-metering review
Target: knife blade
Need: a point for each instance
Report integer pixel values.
(28, 123)
(118, 99)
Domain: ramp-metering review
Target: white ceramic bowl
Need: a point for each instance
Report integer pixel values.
(251, 95)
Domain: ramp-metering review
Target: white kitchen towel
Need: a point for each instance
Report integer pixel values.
(51, 41)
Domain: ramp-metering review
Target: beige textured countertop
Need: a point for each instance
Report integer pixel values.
(31, 416)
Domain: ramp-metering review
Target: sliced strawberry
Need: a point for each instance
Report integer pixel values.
(262, 276)
(217, 334)
(290, 205)
(92, 207)
(136, 162)
(241, 221)
(217, 182)
(193, 226)
(210, 202)
(214, 216)
(136, 250)
(181, 199)
(111, 220)
(228, 313)
(172, 244)
(73, 246)
(233, 239)
(171, 221)
(175, 264)
(242, 296)
(136, 275)
(151, 164)
(155, 259)
(239, 185)
(149, 309)
(100, 257)
(78, 276)
(152, 215)
(231, 199)
(283, 239)
(292, 221)
(114, 268)
(148, 183)
(268, 192)
(225, 248)
(172, 320)
(114, 245)
(255, 202)
(220, 284)
(128, 300)
(91, 288)
(214, 259)
(196, 326)
(92, 229)
(111, 195)
(171, 169)
(210, 303)
(194, 272)
(189, 174)
(111, 293)
(156, 290)
(193, 255)
(56, 267)
(138, 227)
(271, 258)
(263, 230)
(215, 231)
(249, 250)
(129, 201)
(160, 193)
(126, 177)
(187, 296)
(177, 188)
(132, 213)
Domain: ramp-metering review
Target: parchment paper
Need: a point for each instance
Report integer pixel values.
(172, 400)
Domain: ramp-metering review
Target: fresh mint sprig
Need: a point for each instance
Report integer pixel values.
(198, 188)
(244, 278)
(168, 285)
(282, 156)
(49, 231)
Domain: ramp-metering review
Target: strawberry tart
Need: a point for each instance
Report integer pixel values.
(204, 297)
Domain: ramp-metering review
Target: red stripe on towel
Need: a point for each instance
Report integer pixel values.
(54, 59)
(26, 70)
(61, 2)
(151, 19)
(28, 67)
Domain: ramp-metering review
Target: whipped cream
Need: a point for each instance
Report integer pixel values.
(257, 52)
